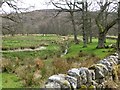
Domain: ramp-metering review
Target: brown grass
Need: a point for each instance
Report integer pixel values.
(60, 66)
(89, 61)
(39, 63)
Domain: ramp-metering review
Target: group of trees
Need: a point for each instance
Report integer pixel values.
(101, 19)
(72, 7)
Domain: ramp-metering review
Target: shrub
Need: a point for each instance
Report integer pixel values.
(36, 77)
(71, 60)
(89, 61)
(26, 73)
(31, 72)
(92, 55)
(7, 66)
(39, 63)
(60, 66)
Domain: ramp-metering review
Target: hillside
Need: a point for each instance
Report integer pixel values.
(46, 22)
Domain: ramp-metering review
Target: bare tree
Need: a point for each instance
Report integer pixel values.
(15, 17)
(102, 27)
(70, 7)
(12, 19)
(86, 23)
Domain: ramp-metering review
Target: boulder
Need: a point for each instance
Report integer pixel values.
(99, 72)
(108, 64)
(87, 76)
(74, 72)
(62, 81)
(104, 69)
(114, 59)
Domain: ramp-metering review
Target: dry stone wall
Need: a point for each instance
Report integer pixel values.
(93, 77)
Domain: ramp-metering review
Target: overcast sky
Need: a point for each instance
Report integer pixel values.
(41, 4)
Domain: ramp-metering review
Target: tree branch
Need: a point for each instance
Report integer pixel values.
(110, 25)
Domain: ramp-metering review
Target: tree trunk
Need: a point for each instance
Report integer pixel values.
(102, 25)
(74, 28)
(84, 38)
(105, 22)
(12, 33)
(84, 26)
(86, 22)
(119, 31)
(101, 40)
(90, 31)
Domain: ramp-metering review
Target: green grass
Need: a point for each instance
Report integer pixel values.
(10, 81)
(90, 49)
(10, 42)
(51, 50)
(0, 81)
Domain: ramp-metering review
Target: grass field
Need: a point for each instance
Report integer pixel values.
(11, 43)
(91, 49)
(46, 62)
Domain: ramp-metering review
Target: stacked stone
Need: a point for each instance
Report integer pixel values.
(92, 77)
(62, 82)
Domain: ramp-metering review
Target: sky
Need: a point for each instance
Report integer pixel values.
(40, 4)
(31, 4)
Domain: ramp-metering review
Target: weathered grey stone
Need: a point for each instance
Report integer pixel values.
(57, 81)
(83, 75)
(93, 74)
(61, 81)
(114, 59)
(108, 64)
(87, 76)
(99, 73)
(52, 85)
(100, 87)
(105, 69)
(72, 81)
(115, 54)
(73, 72)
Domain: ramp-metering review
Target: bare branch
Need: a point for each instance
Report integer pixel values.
(109, 25)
